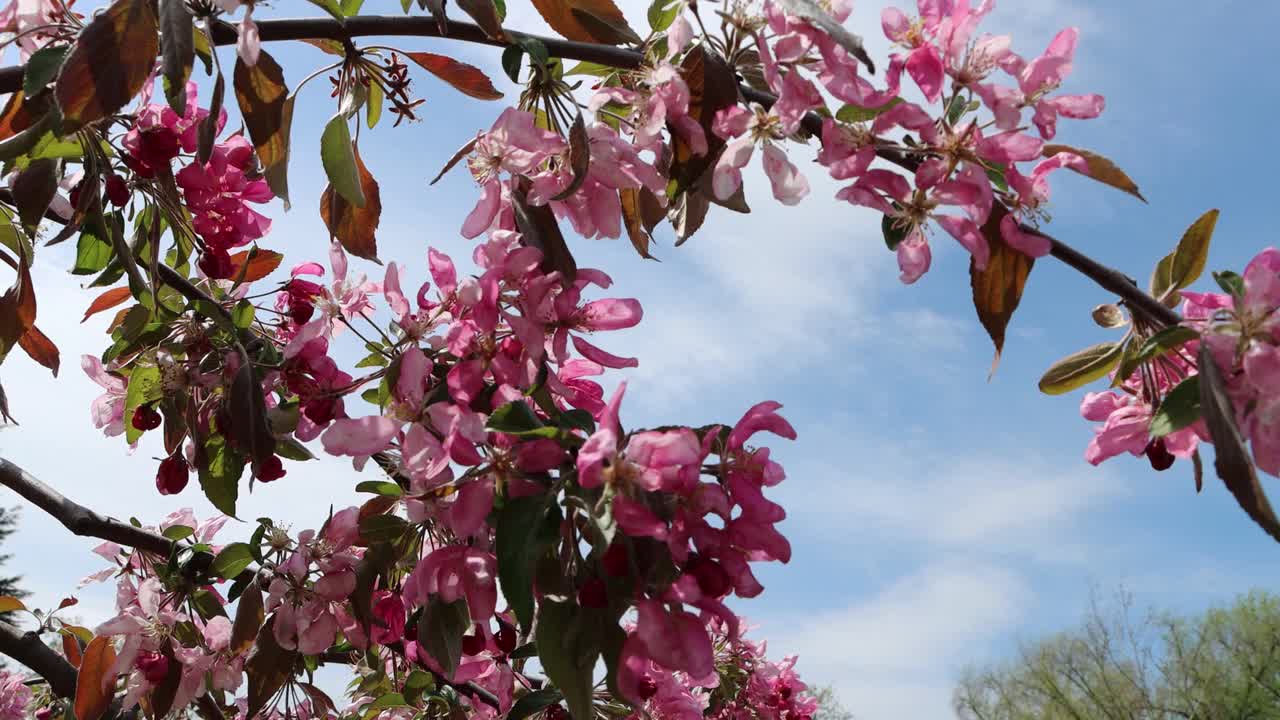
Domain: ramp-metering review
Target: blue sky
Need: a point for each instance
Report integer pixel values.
(937, 518)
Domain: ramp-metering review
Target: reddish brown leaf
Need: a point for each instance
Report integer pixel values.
(998, 289)
(119, 318)
(632, 217)
(1101, 169)
(579, 157)
(17, 309)
(539, 228)
(249, 616)
(462, 152)
(67, 602)
(268, 114)
(71, 648)
(264, 263)
(14, 118)
(106, 301)
(560, 15)
(267, 669)
(712, 88)
(108, 65)
(355, 227)
(467, 79)
(94, 687)
(40, 348)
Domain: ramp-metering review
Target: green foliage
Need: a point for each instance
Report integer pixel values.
(1223, 663)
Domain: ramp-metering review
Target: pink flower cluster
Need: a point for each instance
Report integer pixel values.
(1242, 329)
(1126, 415)
(15, 696)
(147, 619)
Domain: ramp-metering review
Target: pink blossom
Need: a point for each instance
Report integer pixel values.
(108, 409)
(15, 696)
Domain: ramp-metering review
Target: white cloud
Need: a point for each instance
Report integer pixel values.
(893, 654)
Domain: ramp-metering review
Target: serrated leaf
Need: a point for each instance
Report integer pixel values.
(145, 386)
(355, 226)
(232, 560)
(466, 79)
(441, 629)
(338, 156)
(177, 50)
(540, 229)
(1101, 169)
(1184, 265)
(561, 16)
(385, 488)
(178, 532)
(95, 686)
(220, 474)
(997, 290)
(34, 188)
(629, 199)
(249, 617)
(526, 527)
(108, 65)
(267, 109)
(579, 157)
(41, 68)
(850, 113)
(462, 152)
(1080, 368)
(261, 264)
(568, 650)
(268, 668)
(251, 431)
(382, 528)
(534, 702)
(486, 14)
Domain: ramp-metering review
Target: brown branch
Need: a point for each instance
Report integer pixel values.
(421, 26)
(77, 518)
(28, 649)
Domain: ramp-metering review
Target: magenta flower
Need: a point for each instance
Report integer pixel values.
(516, 145)
(1036, 80)
(217, 193)
(923, 61)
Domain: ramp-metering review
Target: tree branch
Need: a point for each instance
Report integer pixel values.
(469, 688)
(28, 649)
(77, 518)
(421, 26)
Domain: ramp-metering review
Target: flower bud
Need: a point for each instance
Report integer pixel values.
(146, 418)
(172, 477)
(153, 666)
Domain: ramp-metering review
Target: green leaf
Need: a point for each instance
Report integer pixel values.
(177, 51)
(534, 702)
(956, 110)
(1184, 265)
(289, 448)
(1231, 283)
(441, 629)
(568, 651)
(373, 108)
(893, 233)
(145, 387)
(380, 487)
(41, 68)
(242, 314)
(517, 418)
(526, 527)
(1167, 339)
(233, 559)
(854, 114)
(527, 650)
(417, 684)
(511, 62)
(1180, 408)
(330, 6)
(389, 700)
(351, 7)
(662, 13)
(590, 68)
(386, 528)
(178, 532)
(339, 159)
(220, 475)
(1080, 368)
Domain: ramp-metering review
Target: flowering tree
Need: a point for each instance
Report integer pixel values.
(518, 518)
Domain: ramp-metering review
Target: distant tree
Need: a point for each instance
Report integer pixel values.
(1223, 663)
(8, 585)
(829, 706)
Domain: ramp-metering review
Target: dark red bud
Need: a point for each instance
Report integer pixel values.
(647, 688)
(74, 196)
(593, 594)
(1159, 455)
(472, 644)
(44, 713)
(712, 579)
(117, 191)
(172, 477)
(154, 666)
(505, 639)
(615, 560)
(216, 264)
(555, 712)
(146, 418)
(270, 469)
